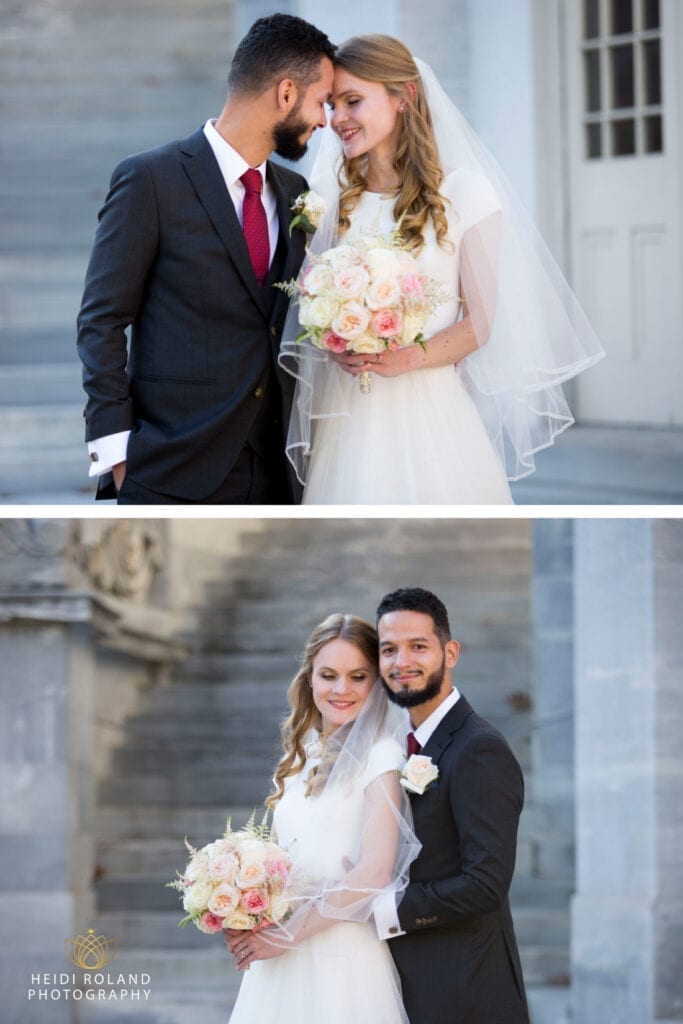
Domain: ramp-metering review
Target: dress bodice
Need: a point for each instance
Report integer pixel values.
(469, 198)
(320, 832)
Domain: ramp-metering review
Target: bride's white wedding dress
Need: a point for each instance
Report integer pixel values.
(344, 974)
(417, 438)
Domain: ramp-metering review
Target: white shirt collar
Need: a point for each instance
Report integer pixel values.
(424, 731)
(231, 164)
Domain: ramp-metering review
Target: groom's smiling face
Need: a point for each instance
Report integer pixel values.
(292, 133)
(413, 662)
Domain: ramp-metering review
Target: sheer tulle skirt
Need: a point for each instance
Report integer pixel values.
(415, 439)
(343, 975)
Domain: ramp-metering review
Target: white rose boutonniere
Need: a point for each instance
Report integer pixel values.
(308, 209)
(418, 774)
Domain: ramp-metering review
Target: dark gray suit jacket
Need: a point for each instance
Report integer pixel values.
(458, 961)
(170, 259)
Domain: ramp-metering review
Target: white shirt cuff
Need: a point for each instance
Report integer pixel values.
(108, 452)
(385, 913)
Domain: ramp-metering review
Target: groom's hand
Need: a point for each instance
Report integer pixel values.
(119, 474)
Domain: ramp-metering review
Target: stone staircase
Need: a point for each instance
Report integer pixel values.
(82, 86)
(204, 745)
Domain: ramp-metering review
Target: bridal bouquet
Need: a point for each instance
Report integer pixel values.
(366, 295)
(235, 882)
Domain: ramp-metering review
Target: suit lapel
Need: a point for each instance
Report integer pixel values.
(207, 180)
(292, 244)
(443, 735)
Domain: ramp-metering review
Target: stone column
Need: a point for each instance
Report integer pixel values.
(84, 626)
(627, 943)
(46, 786)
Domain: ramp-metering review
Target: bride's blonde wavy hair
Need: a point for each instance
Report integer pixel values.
(304, 715)
(379, 58)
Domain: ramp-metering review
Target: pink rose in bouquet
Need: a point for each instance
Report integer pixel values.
(235, 882)
(365, 295)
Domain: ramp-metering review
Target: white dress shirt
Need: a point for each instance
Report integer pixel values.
(384, 908)
(112, 449)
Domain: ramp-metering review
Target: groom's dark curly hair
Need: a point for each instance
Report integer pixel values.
(277, 47)
(415, 599)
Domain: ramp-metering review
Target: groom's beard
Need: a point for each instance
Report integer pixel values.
(287, 135)
(413, 698)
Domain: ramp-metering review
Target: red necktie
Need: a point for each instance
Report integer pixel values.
(255, 224)
(413, 746)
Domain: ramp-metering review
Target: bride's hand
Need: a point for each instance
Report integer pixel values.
(385, 364)
(249, 946)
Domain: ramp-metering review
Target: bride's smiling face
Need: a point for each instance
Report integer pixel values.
(364, 115)
(341, 680)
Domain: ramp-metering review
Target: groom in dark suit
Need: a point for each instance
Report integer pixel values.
(454, 943)
(191, 240)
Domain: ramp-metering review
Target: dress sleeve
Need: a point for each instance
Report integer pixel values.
(472, 196)
(385, 756)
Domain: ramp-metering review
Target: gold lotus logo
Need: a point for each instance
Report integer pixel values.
(91, 952)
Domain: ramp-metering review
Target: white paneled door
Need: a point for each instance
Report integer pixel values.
(625, 110)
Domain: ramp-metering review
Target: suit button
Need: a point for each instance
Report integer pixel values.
(273, 330)
(258, 392)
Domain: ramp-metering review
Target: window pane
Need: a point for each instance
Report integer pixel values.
(654, 135)
(623, 138)
(593, 141)
(650, 13)
(622, 16)
(592, 70)
(621, 59)
(652, 72)
(591, 19)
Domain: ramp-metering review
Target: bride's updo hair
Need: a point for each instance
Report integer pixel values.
(304, 715)
(379, 58)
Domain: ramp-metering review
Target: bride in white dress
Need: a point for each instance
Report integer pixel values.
(342, 815)
(449, 423)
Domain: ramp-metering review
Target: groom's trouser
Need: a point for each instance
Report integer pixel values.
(258, 477)
(253, 480)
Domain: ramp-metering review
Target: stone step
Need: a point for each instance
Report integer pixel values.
(38, 426)
(146, 858)
(544, 965)
(540, 893)
(458, 535)
(144, 894)
(311, 566)
(172, 1007)
(538, 926)
(201, 824)
(550, 1005)
(54, 385)
(237, 637)
(201, 968)
(153, 929)
(175, 761)
(242, 724)
(245, 669)
(244, 777)
(49, 471)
